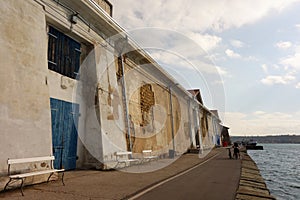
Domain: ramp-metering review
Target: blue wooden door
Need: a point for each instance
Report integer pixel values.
(64, 117)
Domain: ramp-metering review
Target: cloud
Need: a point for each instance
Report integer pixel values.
(194, 16)
(271, 80)
(283, 45)
(297, 26)
(265, 68)
(262, 123)
(206, 41)
(237, 43)
(232, 54)
(191, 63)
(259, 112)
(261, 115)
(289, 66)
(291, 61)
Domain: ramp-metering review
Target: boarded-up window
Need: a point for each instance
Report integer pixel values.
(63, 53)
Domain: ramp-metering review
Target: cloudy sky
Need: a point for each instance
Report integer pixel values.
(246, 55)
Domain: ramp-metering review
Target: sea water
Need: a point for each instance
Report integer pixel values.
(279, 165)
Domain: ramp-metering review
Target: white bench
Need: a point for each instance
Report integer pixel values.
(125, 157)
(23, 176)
(147, 155)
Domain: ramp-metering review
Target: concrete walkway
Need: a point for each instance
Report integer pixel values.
(216, 179)
(93, 184)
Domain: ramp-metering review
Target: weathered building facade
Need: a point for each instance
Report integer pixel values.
(73, 85)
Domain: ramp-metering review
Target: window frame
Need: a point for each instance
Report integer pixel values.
(63, 53)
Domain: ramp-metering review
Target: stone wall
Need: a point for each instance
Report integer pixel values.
(251, 185)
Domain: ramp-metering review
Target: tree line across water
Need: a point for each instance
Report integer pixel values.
(294, 139)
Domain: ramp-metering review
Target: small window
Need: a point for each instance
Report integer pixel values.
(63, 53)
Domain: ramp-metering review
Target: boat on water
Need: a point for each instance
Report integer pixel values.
(252, 145)
(257, 147)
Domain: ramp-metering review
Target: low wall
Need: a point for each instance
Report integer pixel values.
(252, 185)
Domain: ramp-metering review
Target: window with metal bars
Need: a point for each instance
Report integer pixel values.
(63, 53)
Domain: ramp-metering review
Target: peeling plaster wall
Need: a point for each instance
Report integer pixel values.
(192, 123)
(211, 136)
(110, 104)
(90, 149)
(182, 137)
(83, 91)
(157, 134)
(27, 85)
(207, 131)
(24, 102)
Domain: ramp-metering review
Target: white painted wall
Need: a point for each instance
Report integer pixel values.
(111, 107)
(24, 101)
(27, 85)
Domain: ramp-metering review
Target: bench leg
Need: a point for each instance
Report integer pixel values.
(7, 184)
(119, 162)
(22, 186)
(22, 183)
(62, 178)
(50, 176)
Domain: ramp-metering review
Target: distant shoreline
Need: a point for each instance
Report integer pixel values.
(278, 143)
(280, 139)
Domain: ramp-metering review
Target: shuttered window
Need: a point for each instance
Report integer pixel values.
(63, 53)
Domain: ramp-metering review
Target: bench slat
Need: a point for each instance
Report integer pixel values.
(123, 153)
(147, 155)
(147, 151)
(26, 160)
(127, 160)
(122, 157)
(150, 157)
(35, 173)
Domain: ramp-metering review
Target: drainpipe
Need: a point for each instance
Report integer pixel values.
(214, 131)
(200, 127)
(127, 122)
(189, 120)
(172, 123)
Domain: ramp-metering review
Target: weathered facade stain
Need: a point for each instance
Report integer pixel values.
(114, 99)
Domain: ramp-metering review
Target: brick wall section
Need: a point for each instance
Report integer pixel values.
(105, 5)
(147, 101)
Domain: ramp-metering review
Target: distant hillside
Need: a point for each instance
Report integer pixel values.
(295, 139)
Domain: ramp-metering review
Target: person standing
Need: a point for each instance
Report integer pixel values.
(236, 151)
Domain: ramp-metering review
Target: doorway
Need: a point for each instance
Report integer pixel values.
(64, 120)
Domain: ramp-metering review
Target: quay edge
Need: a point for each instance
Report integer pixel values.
(252, 186)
